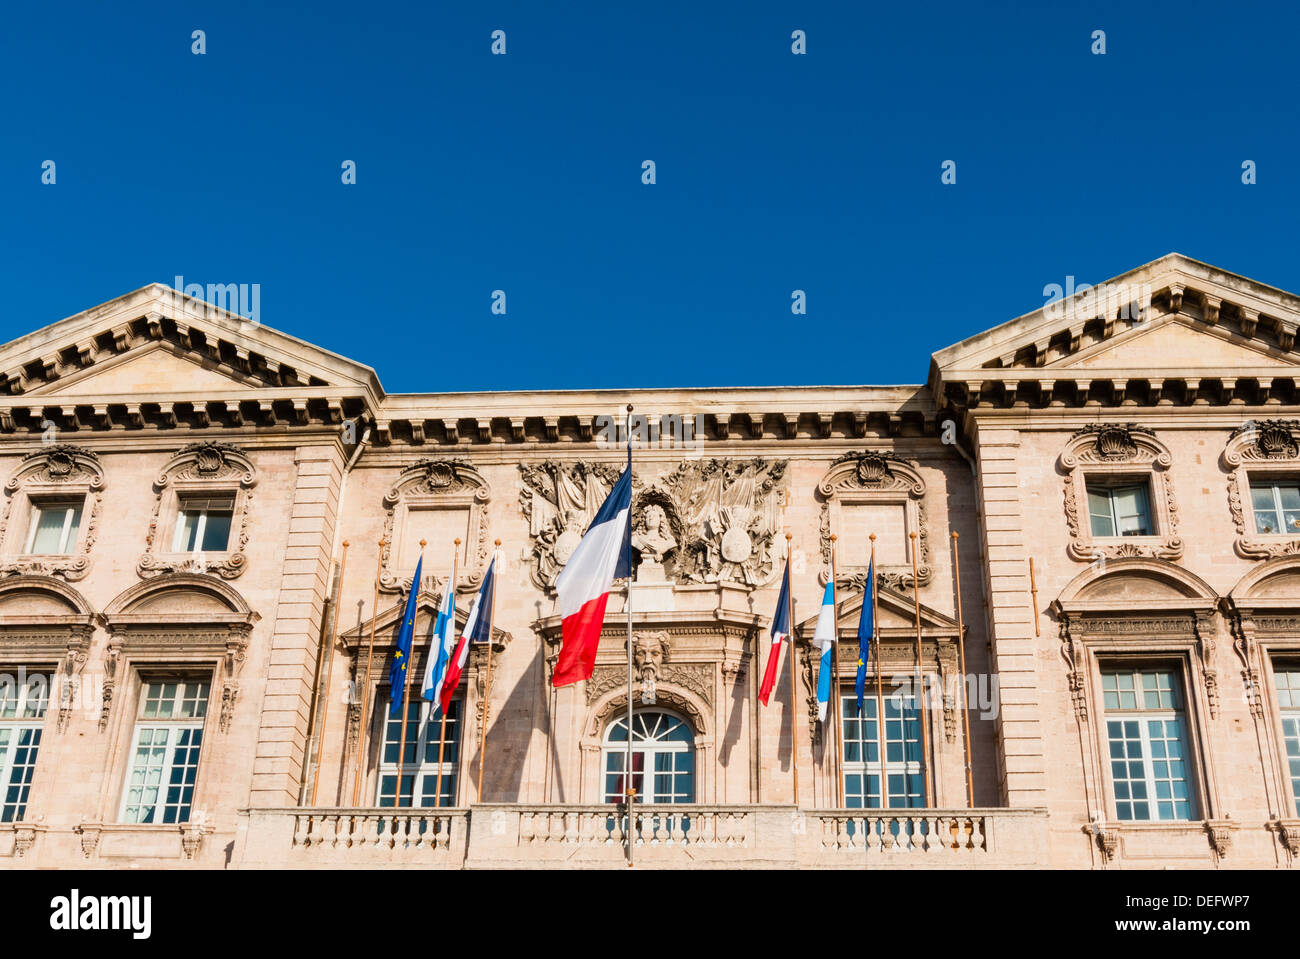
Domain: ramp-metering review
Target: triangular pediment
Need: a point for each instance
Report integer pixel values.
(1175, 343)
(152, 369)
(1173, 314)
(156, 341)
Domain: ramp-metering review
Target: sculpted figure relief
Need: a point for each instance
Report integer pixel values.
(559, 501)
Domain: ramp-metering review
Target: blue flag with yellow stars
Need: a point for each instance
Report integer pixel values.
(866, 628)
(405, 636)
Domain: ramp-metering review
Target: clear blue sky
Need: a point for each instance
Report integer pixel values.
(522, 173)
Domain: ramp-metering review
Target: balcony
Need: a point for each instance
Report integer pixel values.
(516, 835)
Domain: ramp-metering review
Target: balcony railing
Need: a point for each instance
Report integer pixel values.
(520, 835)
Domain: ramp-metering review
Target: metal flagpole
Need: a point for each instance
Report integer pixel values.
(406, 700)
(628, 789)
(920, 684)
(837, 706)
(794, 680)
(370, 661)
(961, 651)
(881, 728)
(442, 729)
(329, 672)
(487, 681)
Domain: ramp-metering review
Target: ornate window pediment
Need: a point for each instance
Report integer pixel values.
(1261, 451)
(199, 470)
(45, 621)
(886, 492)
(450, 485)
(57, 474)
(178, 619)
(1111, 454)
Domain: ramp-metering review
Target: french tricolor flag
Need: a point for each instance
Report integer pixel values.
(478, 629)
(583, 584)
(780, 633)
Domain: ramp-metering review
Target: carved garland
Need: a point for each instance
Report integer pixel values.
(200, 468)
(434, 484)
(54, 471)
(1109, 450)
(875, 477)
(1261, 448)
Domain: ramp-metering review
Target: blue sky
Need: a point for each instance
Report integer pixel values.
(522, 173)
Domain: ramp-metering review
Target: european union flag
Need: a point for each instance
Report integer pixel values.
(866, 630)
(405, 636)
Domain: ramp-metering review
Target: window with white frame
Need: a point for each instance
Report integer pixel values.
(1146, 731)
(1288, 701)
(54, 527)
(165, 751)
(24, 698)
(426, 736)
(1276, 505)
(203, 524)
(1120, 510)
(862, 766)
(663, 745)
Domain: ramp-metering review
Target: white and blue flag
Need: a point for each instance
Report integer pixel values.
(825, 638)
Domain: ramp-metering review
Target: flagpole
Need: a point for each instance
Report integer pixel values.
(406, 697)
(628, 789)
(794, 681)
(329, 671)
(920, 682)
(883, 745)
(442, 728)
(961, 651)
(370, 661)
(487, 682)
(837, 706)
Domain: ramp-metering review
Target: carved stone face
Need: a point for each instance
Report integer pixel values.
(649, 653)
(654, 518)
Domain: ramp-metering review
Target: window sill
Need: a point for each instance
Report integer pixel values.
(226, 564)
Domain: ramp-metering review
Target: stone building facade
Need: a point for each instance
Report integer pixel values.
(205, 523)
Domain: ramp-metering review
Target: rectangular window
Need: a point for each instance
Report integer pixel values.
(22, 714)
(1146, 733)
(1120, 510)
(54, 527)
(862, 768)
(420, 760)
(203, 525)
(1276, 504)
(1288, 700)
(165, 751)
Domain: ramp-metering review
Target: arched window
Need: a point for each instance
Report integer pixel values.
(663, 744)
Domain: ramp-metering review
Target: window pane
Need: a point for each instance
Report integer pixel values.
(1103, 523)
(50, 523)
(187, 531)
(1131, 509)
(216, 533)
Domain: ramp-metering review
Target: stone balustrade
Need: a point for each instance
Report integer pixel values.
(519, 835)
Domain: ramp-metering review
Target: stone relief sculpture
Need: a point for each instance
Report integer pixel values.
(559, 500)
(730, 513)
